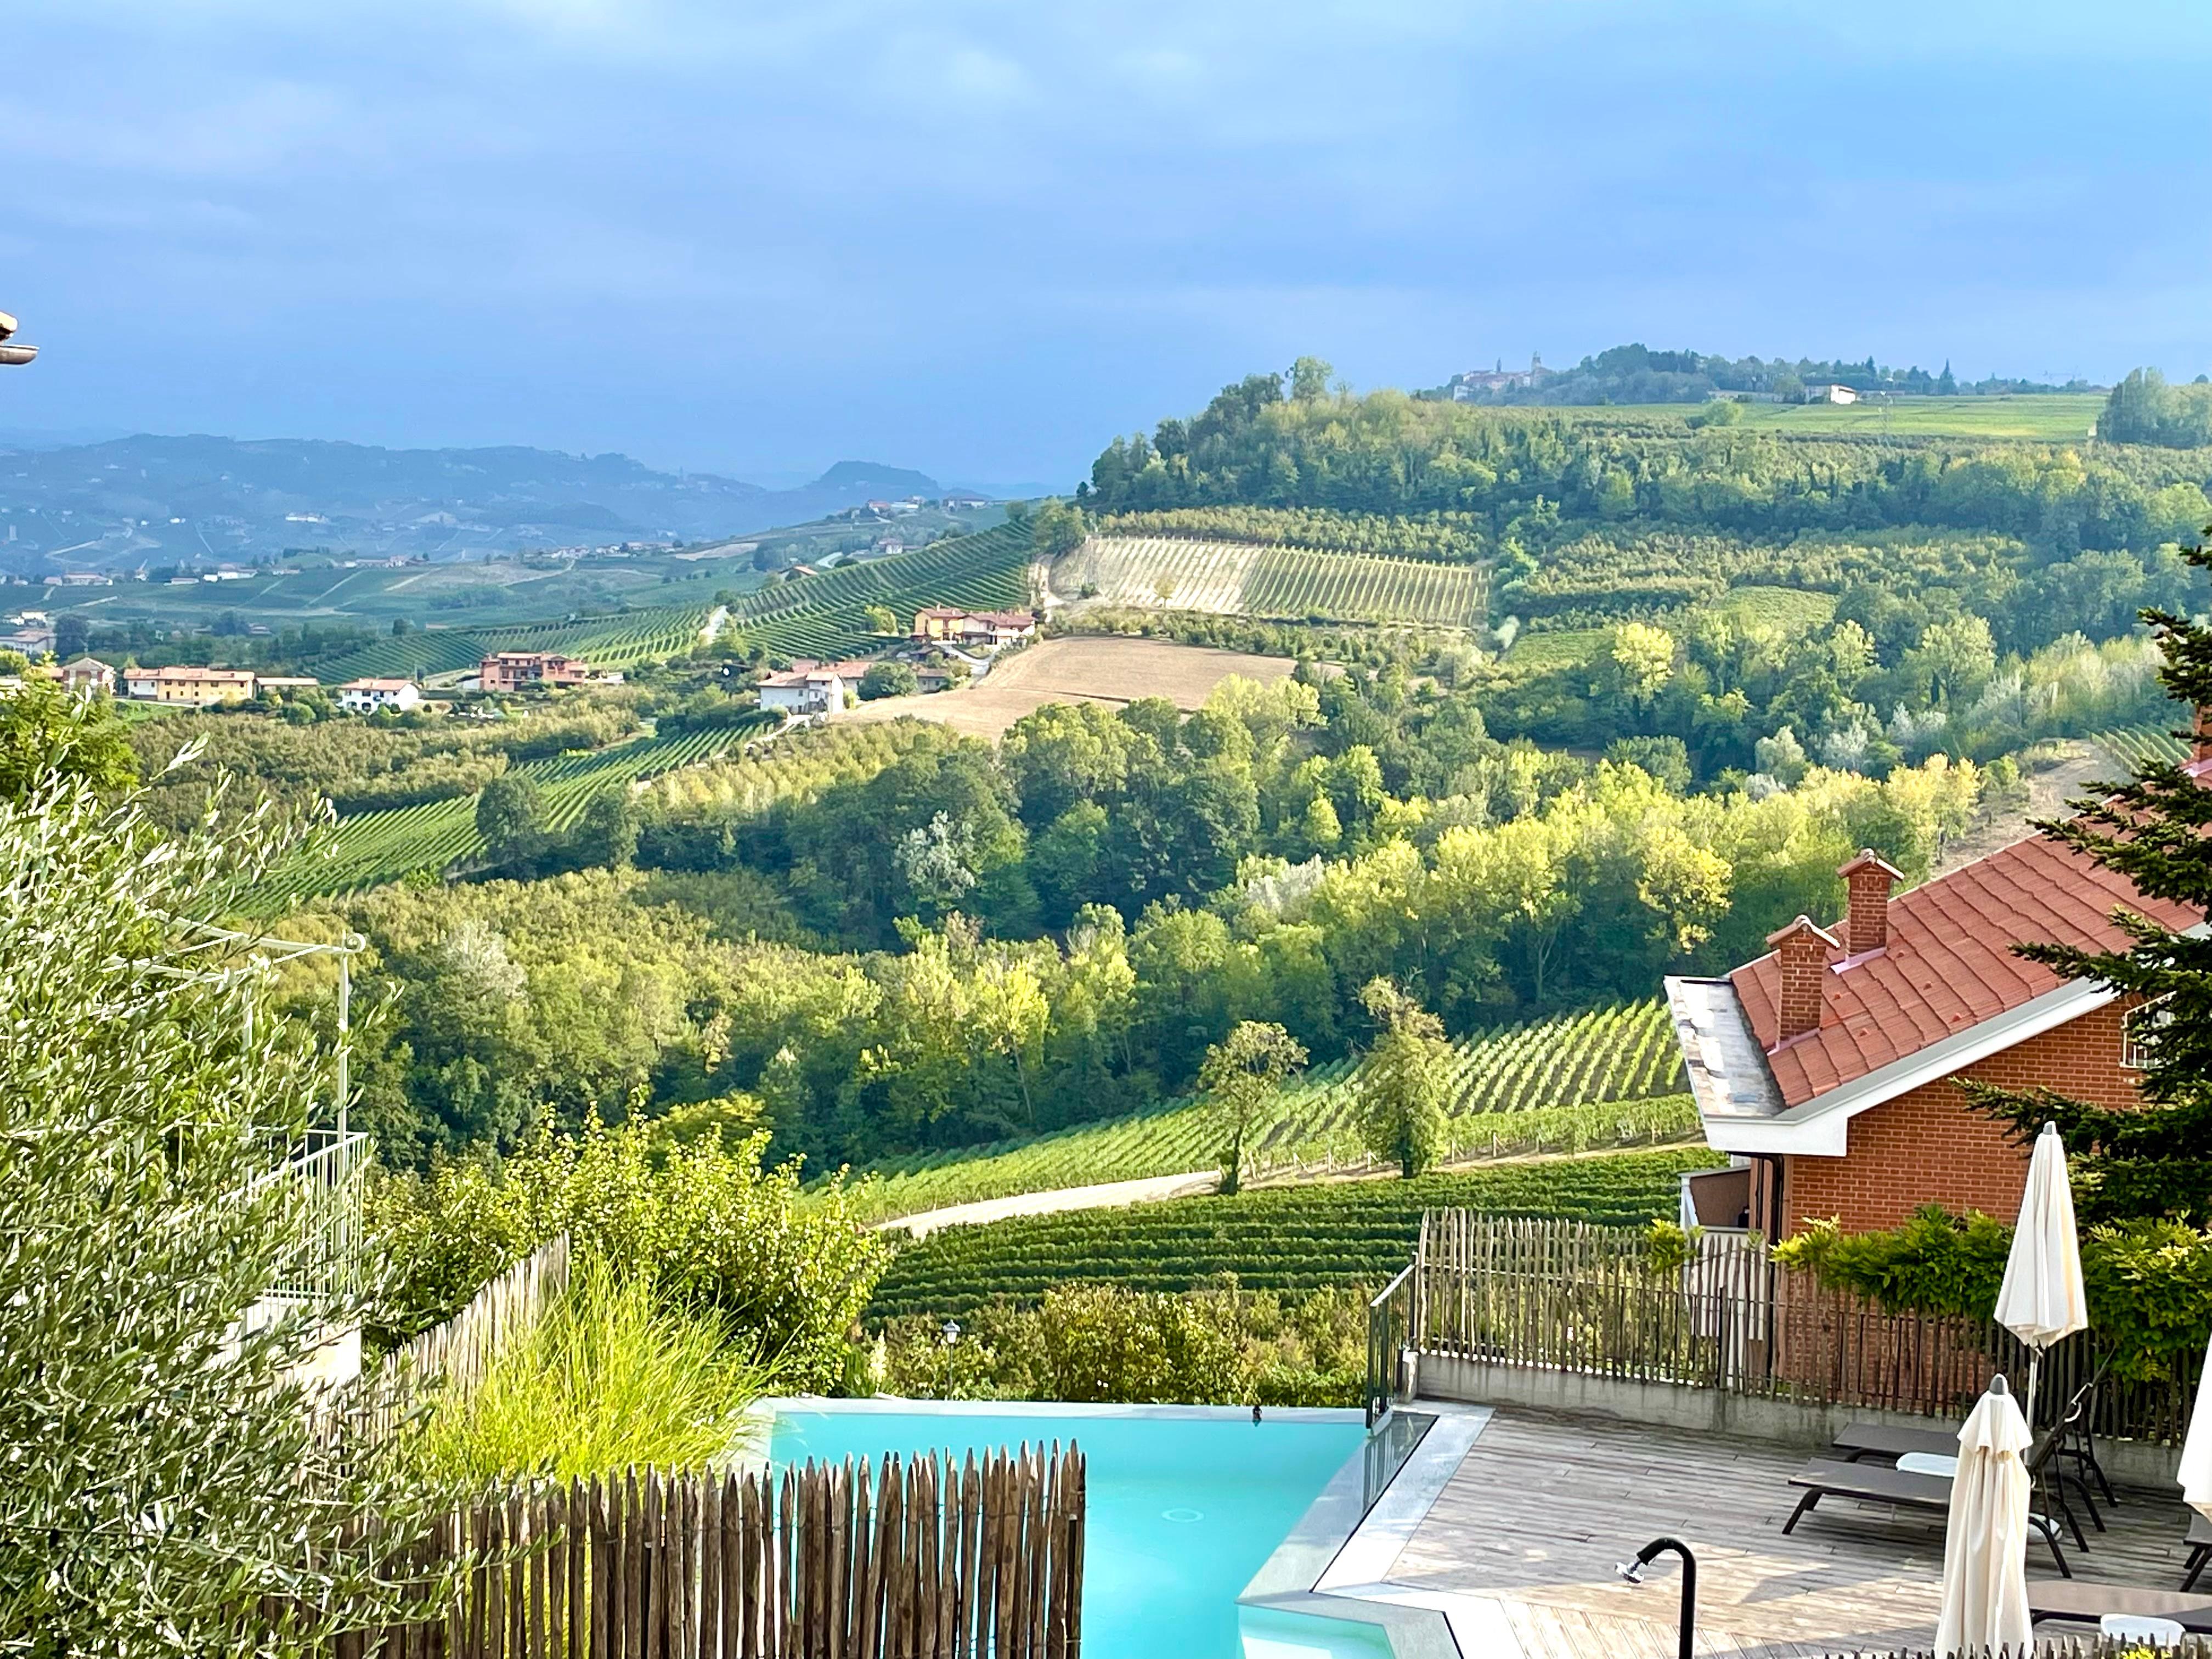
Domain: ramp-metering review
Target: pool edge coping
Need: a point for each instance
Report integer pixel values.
(1352, 1586)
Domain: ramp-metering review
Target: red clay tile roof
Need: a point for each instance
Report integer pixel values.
(1948, 964)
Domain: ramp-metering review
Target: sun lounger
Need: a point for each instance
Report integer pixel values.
(1873, 1483)
(2073, 1602)
(2200, 1551)
(1863, 1440)
(1860, 1440)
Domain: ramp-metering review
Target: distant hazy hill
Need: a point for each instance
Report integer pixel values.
(135, 500)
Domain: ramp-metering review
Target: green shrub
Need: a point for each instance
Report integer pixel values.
(1936, 1262)
(611, 1378)
(706, 1223)
(2150, 1279)
(1218, 1345)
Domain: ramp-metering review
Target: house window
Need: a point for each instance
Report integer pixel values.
(2136, 1027)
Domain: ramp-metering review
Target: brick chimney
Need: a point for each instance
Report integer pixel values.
(1803, 950)
(1866, 922)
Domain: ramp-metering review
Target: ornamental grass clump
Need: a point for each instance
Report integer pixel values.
(610, 1377)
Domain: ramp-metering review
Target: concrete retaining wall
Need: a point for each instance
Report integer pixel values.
(1713, 1411)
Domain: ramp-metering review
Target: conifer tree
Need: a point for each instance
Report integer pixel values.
(2153, 828)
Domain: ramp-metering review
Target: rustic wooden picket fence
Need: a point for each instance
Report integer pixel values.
(918, 1559)
(462, 1348)
(1571, 1295)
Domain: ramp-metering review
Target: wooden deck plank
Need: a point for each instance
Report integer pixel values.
(1544, 1507)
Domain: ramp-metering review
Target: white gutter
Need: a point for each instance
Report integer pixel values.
(1820, 1127)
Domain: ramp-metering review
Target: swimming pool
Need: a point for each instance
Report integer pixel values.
(1185, 1503)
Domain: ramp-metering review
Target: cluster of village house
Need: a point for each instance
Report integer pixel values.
(1827, 1071)
(503, 671)
(806, 689)
(810, 689)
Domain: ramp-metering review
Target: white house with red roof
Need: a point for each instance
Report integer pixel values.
(808, 688)
(1828, 1070)
(366, 697)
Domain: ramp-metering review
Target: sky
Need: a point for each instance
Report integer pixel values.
(979, 237)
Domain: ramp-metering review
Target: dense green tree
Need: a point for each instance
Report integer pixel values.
(1403, 1080)
(1240, 1079)
(608, 831)
(888, 679)
(511, 818)
(46, 732)
(2151, 829)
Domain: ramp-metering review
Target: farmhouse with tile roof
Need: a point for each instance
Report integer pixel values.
(1828, 1069)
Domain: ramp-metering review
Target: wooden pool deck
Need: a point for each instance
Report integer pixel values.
(1520, 1547)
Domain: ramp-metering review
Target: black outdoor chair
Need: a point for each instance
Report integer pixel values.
(2046, 1466)
(2077, 1436)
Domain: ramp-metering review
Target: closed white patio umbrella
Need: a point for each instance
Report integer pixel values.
(2196, 1473)
(1985, 1545)
(2041, 1299)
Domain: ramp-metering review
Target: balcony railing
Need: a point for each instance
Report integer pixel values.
(327, 1170)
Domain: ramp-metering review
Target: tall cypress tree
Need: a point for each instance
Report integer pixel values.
(2155, 1159)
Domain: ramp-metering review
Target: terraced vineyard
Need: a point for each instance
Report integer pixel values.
(825, 616)
(1605, 1077)
(1286, 1239)
(1289, 584)
(370, 848)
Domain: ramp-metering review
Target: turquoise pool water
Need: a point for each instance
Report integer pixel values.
(1183, 1510)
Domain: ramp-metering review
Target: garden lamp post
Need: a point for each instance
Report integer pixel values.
(10, 351)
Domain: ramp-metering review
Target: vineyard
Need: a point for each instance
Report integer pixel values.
(825, 616)
(796, 767)
(1284, 1239)
(1455, 538)
(604, 642)
(369, 848)
(1279, 583)
(822, 616)
(2132, 745)
(1603, 1077)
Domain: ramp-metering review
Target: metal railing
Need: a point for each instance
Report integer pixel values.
(327, 1175)
(1390, 1333)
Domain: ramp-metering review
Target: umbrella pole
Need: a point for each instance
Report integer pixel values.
(2034, 1365)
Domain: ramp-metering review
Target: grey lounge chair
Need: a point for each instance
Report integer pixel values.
(2077, 1603)
(2200, 1551)
(1877, 1483)
(1860, 1440)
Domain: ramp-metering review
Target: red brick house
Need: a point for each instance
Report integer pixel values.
(1828, 1069)
(513, 670)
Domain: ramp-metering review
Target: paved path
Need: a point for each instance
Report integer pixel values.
(1105, 1196)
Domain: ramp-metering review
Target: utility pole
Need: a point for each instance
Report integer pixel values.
(12, 352)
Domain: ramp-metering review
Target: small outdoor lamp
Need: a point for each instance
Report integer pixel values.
(11, 352)
(1634, 1572)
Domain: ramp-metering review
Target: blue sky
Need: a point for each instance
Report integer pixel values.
(979, 238)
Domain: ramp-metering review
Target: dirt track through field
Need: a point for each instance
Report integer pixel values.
(1079, 668)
